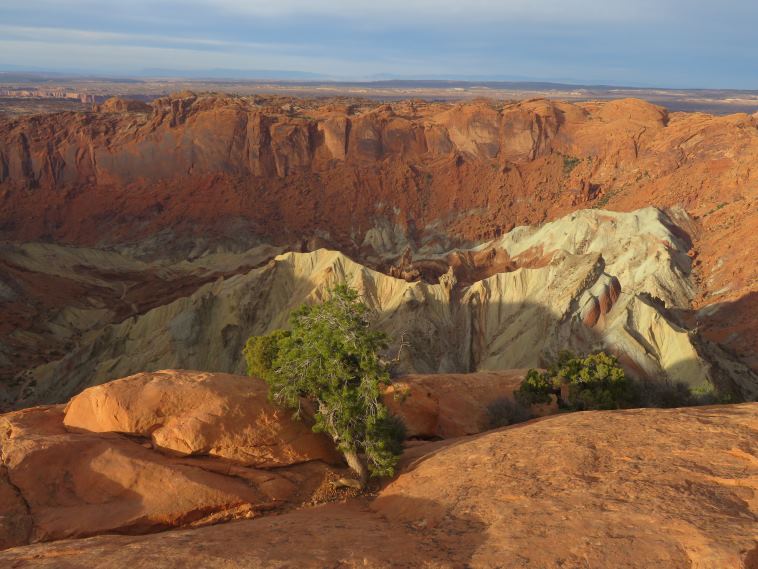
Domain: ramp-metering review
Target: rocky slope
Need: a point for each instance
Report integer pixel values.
(290, 170)
(628, 489)
(177, 448)
(163, 207)
(592, 280)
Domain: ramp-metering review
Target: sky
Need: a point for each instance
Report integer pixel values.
(661, 43)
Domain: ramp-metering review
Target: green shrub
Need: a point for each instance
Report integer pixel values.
(331, 358)
(709, 395)
(569, 163)
(668, 394)
(260, 352)
(596, 381)
(663, 394)
(536, 388)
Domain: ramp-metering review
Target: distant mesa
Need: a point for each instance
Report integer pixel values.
(121, 105)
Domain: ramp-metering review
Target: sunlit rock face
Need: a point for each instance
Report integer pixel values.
(593, 280)
(178, 205)
(151, 452)
(639, 488)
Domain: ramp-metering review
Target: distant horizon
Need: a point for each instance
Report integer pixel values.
(667, 44)
(302, 77)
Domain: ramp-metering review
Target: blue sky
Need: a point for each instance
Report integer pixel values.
(667, 43)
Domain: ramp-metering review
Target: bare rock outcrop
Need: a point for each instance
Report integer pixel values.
(625, 489)
(121, 105)
(194, 413)
(15, 519)
(115, 459)
(638, 488)
(450, 405)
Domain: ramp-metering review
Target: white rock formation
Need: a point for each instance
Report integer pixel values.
(603, 280)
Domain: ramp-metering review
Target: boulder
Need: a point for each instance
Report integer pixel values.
(81, 484)
(194, 413)
(450, 404)
(57, 484)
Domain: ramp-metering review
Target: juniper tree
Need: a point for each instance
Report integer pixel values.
(595, 381)
(260, 352)
(331, 357)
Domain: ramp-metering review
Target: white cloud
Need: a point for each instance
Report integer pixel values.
(400, 11)
(72, 35)
(125, 58)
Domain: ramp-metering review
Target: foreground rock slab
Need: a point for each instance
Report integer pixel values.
(195, 413)
(636, 488)
(627, 489)
(92, 467)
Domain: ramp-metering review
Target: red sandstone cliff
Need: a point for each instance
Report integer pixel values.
(291, 170)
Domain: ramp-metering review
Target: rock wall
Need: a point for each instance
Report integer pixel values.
(290, 170)
(601, 280)
(171, 197)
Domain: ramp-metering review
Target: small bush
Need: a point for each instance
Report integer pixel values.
(709, 395)
(393, 431)
(536, 388)
(261, 351)
(663, 394)
(506, 411)
(596, 381)
(569, 163)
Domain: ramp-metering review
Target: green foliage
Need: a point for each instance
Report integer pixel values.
(260, 352)
(708, 395)
(569, 163)
(595, 381)
(536, 388)
(331, 357)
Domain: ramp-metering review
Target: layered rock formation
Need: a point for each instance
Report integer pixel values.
(592, 280)
(291, 170)
(199, 188)
(624, 489)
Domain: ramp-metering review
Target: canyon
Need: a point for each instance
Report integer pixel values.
(141, 244)
(144, 236)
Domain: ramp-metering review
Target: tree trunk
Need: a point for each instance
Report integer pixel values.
(355, 462)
